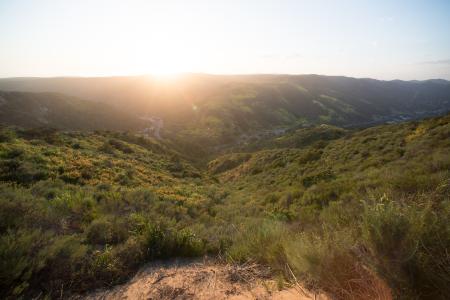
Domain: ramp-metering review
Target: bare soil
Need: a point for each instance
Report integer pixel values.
(183, 279)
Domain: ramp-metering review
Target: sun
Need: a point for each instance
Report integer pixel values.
(164, 69)
(165, 76)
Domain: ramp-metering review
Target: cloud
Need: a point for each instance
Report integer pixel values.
(436, 62)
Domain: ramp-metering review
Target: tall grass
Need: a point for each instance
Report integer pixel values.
(408, 244)
(389, 249)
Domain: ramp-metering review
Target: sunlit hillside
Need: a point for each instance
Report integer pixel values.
(215, 111)
(322, 200)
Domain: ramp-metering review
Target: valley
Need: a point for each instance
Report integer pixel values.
(315, 199)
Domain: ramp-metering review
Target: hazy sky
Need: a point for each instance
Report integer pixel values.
(383, 39)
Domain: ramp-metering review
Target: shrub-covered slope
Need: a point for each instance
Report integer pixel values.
(346, 213)
(315, 160)
(360, 214)
(79, 210)
(63, 112)
(218, 109)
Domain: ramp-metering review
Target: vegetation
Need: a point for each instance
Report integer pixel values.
(357, 213)
(203, 111)
(353, 215)
(53, 110)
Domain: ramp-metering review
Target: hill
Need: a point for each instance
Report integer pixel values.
(214, 110)
(357, 213)
(31, 110)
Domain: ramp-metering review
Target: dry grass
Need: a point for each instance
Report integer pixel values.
(347, 279)
(201, 280)
(247, 272)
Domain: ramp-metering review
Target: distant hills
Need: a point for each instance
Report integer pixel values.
(216, 110)
(59, 111)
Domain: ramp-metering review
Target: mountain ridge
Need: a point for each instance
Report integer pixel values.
(220, 110)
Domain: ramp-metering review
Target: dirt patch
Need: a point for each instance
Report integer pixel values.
(183, 279)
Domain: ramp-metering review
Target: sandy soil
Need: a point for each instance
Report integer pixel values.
(202, 280)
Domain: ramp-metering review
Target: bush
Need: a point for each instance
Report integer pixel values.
(49, 135)
(409, 243)
(104, 231)
(23, 172)
(329, 262)
(119, 145)
(106, 148)
(22, 256)
(162, 242)
(6, 135)
(130, 254)
(69, 252)
(260, 240)
(105, 267)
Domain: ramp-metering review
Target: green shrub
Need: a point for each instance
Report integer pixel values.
(49, 135)
(106, 148)
(119, 145)
(67, 251)
(162, 242)
(99, 232)
(130, 254)
(328, 261)
(22, 256)
(6, 135)
(409, 245)
(105, 266)
(23, 172)
(260, 240)
(105, 231)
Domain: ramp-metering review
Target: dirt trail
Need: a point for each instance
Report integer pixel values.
(202, 280)
(157, 125)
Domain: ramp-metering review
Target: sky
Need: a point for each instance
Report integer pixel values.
(383, 39)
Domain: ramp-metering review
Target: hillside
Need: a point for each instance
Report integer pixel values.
(59, 111)
(337, 165)
(218, 109)
(356, 213)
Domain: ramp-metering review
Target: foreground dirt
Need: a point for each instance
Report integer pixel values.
(202, 280)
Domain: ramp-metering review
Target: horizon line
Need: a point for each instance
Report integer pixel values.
(210, 74)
